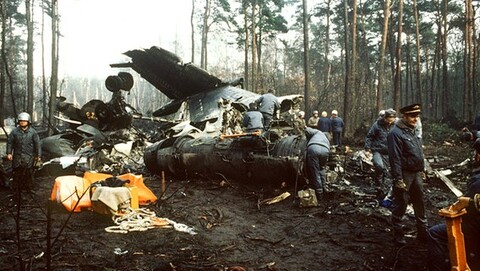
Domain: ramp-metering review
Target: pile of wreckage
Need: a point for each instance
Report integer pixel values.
(199, 130)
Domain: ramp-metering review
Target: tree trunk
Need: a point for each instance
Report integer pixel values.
(398, 70)
(326, 73)
(44, 81)
(428, 90)
(254, 46)
(203, 51)
(246, 44)
(381, 65)
(346, 98)
(435, 68)
(260, 77)
(192, 24)
(29, 15)
(474, 66)
(54, 75)
(418, 79)
(4, 64)
(347, 115)
(445, 96)
(306, 60)
(408, 71)
(469, 60)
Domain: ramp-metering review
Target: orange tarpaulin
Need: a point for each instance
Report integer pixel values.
(68, 189)
(145, 195)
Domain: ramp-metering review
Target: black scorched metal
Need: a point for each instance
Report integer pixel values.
(245, 158)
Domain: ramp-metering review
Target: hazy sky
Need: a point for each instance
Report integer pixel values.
(97, 33)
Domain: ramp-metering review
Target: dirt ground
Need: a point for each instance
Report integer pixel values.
(348, 231)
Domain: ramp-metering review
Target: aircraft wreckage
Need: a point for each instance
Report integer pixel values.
(216, 143)
(201, 125)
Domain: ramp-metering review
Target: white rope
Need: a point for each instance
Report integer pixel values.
(143, 219)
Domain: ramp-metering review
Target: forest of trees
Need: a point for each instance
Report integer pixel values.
(353, 56)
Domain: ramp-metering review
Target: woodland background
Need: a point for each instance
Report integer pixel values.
(353, 56)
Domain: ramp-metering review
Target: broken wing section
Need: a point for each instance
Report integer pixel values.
(167, 73)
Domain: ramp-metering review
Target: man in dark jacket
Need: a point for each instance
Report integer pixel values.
(268, 106)
(337, 128)
(438, 253)
(376, 145)
(318, 148)
(407, 164)
(253, 119)
(324, 125)
(23, 149)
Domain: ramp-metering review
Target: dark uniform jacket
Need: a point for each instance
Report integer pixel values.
(376, 139)
(337, 124)
(253, 120)
(324, 124)
(471, 220)
(316, 137)
(404, 150)
(268, 103)
(25, 146)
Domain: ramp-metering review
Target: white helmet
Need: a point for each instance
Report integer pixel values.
(24, 116)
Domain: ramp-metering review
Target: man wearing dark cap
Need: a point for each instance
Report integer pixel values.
(376, 145)
(406, 164)
(438, 253)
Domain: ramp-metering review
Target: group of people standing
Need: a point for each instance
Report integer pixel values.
(397, 155)
(332, 127)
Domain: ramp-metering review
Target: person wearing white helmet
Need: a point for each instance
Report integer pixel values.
(337, 128)
(324, 125)
(23, 149)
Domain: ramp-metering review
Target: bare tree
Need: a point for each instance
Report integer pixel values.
(54, 74)
(254, 46)
(4, 64)
(44, 81)
(192, 24)
(306, 59)
(381, 62)
(398, 67)
(326, 79)
(469, 60)
(29, 15)
(348, 75)
(246, 43)
(418, 79)
(205, 29)
(445, 96)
